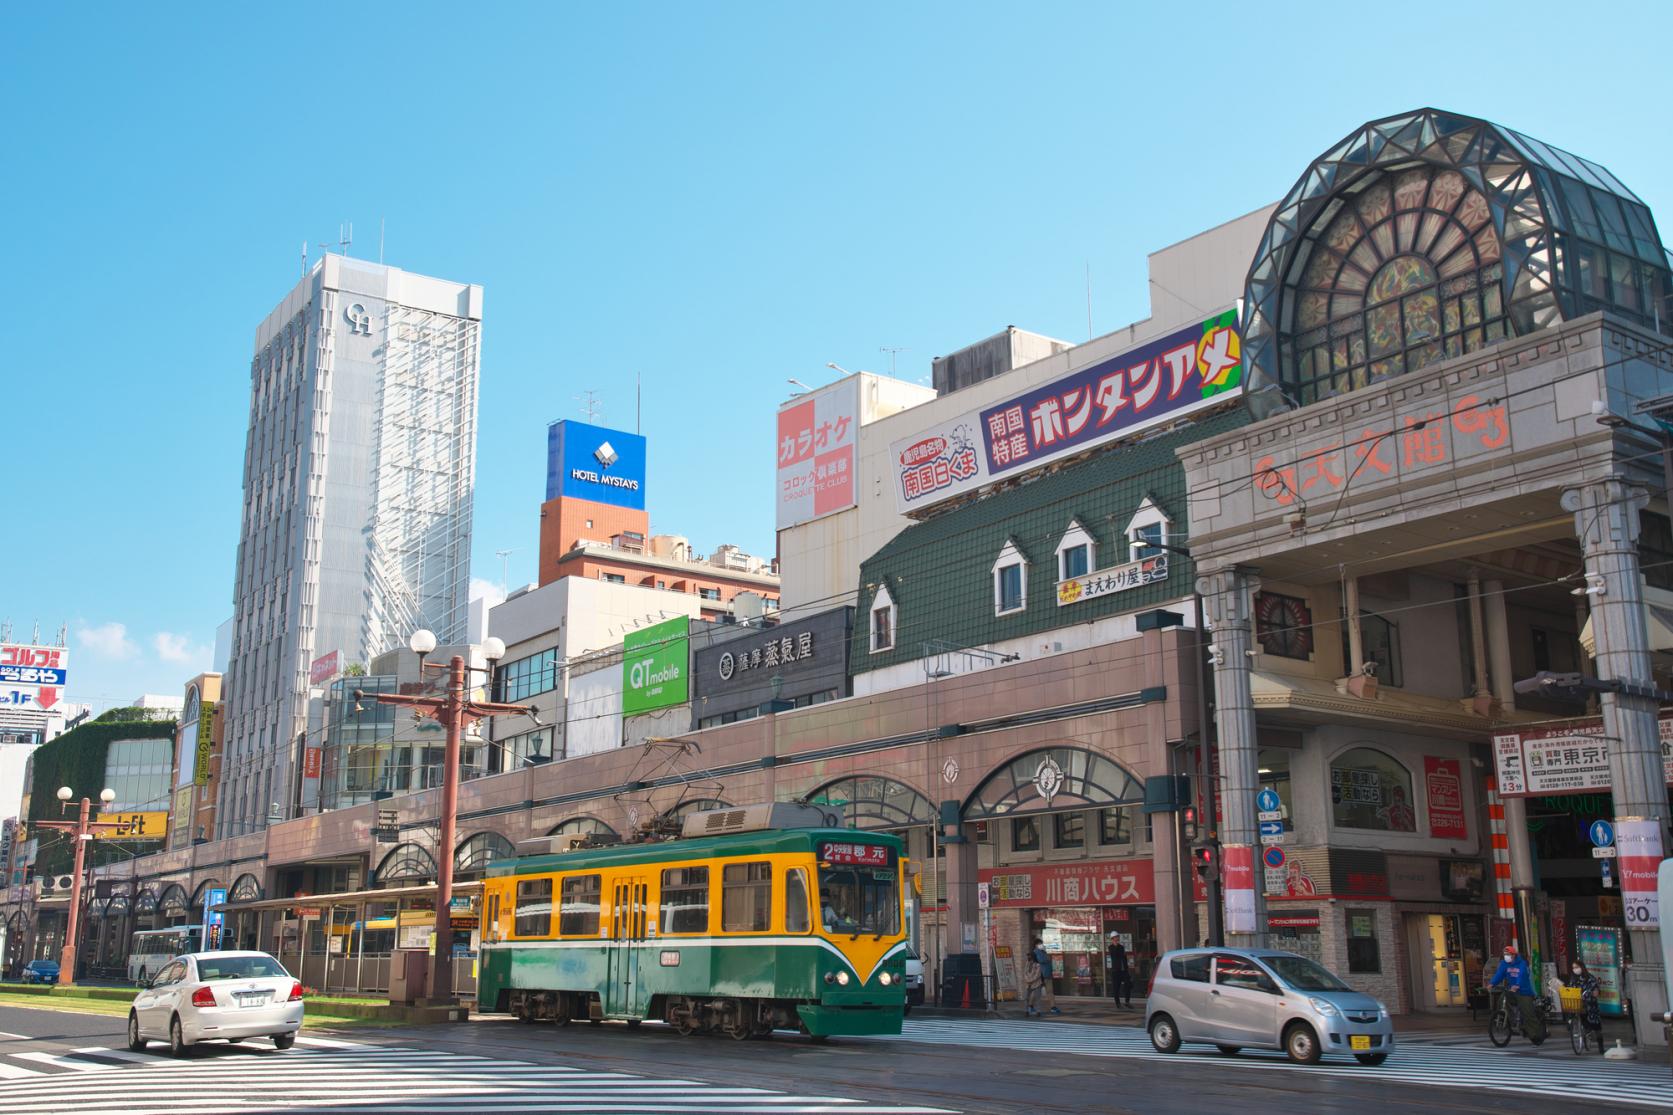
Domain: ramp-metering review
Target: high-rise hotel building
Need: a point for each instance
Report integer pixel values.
(359, 467)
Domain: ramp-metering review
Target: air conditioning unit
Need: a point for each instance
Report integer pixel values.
(64, 882)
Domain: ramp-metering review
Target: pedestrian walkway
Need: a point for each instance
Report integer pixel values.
(1552, 1070)
(331, 1075)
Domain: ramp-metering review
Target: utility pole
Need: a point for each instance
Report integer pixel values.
(82, 830)
(454, 710)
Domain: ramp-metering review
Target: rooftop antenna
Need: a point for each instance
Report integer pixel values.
(345, 237)
(1089, 300)
(5, 631)
(505, 567)
(590, 406)
(891, 350)
(304, 257)
(638, 400)
(380, 241)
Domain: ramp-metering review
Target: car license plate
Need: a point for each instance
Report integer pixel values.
(1359, 1041)
(259, 999)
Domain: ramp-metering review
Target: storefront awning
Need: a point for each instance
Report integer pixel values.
(348, 897)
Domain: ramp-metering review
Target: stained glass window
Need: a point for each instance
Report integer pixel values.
(1404, 274)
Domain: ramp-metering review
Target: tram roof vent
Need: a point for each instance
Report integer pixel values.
(758, 818)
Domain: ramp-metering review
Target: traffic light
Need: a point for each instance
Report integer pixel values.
(1206, 858)
(1188, 819)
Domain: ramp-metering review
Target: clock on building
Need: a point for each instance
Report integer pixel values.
(1284, 625)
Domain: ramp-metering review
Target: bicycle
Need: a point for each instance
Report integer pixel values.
(1574, 1017)
(1506, 1019)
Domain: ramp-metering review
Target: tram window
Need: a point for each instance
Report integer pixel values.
(746, 898)
(534, 908)
(685, 900)
(491, 923)
(795, 901)
(578, 915)
(859, 900)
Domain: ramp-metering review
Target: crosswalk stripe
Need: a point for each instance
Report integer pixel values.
(329, 1043)
(394, 1080)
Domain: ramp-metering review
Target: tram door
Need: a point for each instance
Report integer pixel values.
(627, 913)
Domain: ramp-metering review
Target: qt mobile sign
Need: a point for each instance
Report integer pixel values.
(1187, 370)
(591, 462)
(656, 666)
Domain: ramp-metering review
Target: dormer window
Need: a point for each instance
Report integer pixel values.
(882, 620)
(1010, 580)
(1147, 532)
(1077, 553)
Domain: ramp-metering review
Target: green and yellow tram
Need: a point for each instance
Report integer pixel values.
(742, 925)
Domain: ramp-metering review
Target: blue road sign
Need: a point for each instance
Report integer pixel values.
(1273, 856)
(1267, 800)
(1272, 828)
(1602, 833)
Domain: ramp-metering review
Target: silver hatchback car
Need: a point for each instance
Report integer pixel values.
(1263, 999)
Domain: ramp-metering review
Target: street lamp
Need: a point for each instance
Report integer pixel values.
(454, 710)
(82, 829)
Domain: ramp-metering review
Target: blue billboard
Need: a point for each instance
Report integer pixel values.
(591, 462)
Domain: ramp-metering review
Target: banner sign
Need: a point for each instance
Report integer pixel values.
(1104, 582)
(655, 666)
(32, 675)
(1444, 782)
(1638, 844)
(1106, 883)
(1571, 760)
(816, 438)
(149, 825)
(324, 668)
(1238, 864)
(1163, 380)
(205, 743)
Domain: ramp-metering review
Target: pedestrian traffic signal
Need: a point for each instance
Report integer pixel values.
(1206, 857)
(1189, 820)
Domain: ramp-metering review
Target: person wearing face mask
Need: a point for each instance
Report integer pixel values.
(1517, 976)
(1590, 1017)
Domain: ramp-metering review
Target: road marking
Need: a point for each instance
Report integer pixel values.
(17, 1072)
(117, 1054)
(329, 1043)
(73, 1063)
(13, 1037)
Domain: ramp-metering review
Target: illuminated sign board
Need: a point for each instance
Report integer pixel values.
(591, 462)
(656, 669)
(816, 437)
(133, 826)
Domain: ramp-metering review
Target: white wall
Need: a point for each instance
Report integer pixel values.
(593, 718)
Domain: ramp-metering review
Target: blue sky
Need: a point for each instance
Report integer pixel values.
(713, 197)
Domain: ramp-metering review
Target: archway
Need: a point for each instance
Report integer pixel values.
(586, 823)
(870, 801)
(475, 853)
(405, 865)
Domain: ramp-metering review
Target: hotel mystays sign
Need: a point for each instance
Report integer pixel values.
(1157, 382)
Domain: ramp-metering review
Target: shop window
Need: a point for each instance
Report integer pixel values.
(578, 912)
(882, 620)
(534, 908)
(1025, 835)
(746, 898)
(1076, 553)
(1274, 765)
(1115, 826)
(1363, 957)
(796, 919)
(1069, 830)
(685, 900)
(1371, 790)
(1010, 581)
(1147, 532)
(1380, 639)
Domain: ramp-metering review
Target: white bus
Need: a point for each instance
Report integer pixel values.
(152, 948)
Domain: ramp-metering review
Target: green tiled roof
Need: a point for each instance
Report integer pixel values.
(939, 572)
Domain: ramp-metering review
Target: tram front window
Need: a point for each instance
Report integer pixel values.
(856, 900)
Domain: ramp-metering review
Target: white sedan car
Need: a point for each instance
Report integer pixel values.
(217, 995)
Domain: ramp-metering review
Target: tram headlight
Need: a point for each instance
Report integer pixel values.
(885, 979)
(842, 979)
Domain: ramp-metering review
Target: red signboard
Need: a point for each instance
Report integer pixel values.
(1445, 784)
(865, 855)
(325, 667)
(1293, 921)
(1106, 883)
(310, 762)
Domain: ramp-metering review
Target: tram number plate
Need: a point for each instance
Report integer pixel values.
(251, 998)
(1359, 1041)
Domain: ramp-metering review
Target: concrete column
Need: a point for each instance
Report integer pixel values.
(963, 914)
(1163, 668)
(1607, 525)
(1229, 596)
(1496, 624)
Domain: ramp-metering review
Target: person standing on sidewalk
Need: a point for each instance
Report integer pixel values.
(1042, 962)
(1121, 976)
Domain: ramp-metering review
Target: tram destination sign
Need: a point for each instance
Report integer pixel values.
(861, 855)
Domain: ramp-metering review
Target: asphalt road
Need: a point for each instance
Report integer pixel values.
(882, 1075)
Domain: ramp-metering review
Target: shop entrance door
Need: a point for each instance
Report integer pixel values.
(1439, 967)
(622, 995)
